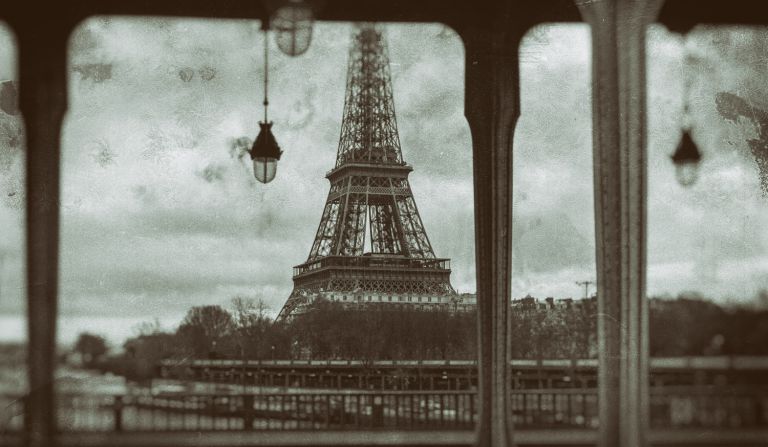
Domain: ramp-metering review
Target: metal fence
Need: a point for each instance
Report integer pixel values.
(274, 411)
(366, 410)
(709, 407)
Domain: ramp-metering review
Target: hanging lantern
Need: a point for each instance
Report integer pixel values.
(686, 159)
(292, 24)
(265, 154)
(687, 156)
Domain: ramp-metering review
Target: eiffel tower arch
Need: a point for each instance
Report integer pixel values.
(370, 198)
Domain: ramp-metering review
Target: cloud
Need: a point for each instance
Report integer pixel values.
(714, 231)
(165, 215)
(177, 220)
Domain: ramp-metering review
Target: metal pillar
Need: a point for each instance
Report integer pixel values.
(618, 95)
(492, 109)
(43, 101)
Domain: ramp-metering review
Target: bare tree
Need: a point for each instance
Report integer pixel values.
(207, 331)
(253, 326)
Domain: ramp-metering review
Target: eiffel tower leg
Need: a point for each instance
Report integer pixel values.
(325, 231)
(492, 108)
(415, 236)
(352, 226)
(384, 228)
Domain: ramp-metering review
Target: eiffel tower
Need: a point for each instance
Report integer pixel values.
(370, 198)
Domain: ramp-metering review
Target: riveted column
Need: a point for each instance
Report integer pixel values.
(492, 109)
(619, 140)
(43, 102)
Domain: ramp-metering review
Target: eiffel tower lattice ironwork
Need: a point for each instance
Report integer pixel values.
(370, 198)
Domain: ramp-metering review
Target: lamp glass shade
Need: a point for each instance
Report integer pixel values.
(293, 28)
(264, 169)
(265, 153)
(687, 173)
(686, 159)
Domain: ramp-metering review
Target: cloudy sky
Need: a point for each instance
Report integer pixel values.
(158, 214)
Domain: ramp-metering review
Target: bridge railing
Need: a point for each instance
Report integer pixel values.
(708, 407)
(671, 408)
(738, 363)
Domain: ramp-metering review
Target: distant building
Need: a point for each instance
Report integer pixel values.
(530, 303)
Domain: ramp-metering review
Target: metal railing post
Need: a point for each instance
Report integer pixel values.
(247, 409)
(472, 398)
(117, 411)
(411, 412)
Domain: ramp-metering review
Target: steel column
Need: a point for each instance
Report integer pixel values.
(618, 95)
(43, 101)
(492, 109)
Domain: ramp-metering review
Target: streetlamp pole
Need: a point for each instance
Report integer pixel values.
(586, 285)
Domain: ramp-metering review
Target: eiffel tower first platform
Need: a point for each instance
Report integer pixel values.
(370, 199)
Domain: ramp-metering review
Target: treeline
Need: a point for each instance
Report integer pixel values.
(330, 331)
(682, 327)
(326, 331)
(561, 332)
(692, 325)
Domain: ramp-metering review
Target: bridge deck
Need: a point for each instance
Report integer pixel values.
(456, 374)
(523, 438)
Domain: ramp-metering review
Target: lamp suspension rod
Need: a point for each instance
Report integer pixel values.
(266, 72)
(686, 88)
